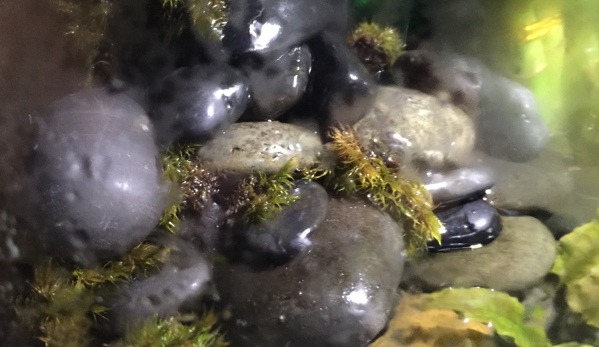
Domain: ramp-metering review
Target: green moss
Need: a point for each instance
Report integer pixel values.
(377, 47)
(207, 17)
(360, 171)
(173, 332)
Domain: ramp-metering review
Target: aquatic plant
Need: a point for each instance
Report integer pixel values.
(360, 171)
(376, 46)
(207, 17)
(174, 332)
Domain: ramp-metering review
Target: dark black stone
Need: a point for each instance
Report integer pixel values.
(196, 103)
(458, 185)
(264, 26)
(95, 180)
(278, 240)
(473, 224)
(277, 83)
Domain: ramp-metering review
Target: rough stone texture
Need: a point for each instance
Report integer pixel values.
(261, 146)
(520, 256)
(338, 292)
(35, 69)
(417, 127)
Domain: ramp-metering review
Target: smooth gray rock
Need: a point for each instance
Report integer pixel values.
(261, 146)
(417, 128)
(95, 187)
(178, 286)
(510, 126)
(459, 184)
(338, 292)
(521, 255)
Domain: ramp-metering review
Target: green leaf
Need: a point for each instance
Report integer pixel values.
(577, 265)
(504, 312)
(578, 253)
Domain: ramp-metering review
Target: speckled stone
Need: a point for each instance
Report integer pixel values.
(417, 127)
(521, 255)
(261, 146)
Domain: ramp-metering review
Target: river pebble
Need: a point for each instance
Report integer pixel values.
(465, 183)
(471, 225)
(261, 146)
(196, 102)
(338, 292)
(177, 287)
(95, 184)
(417, 128)
(521, 255)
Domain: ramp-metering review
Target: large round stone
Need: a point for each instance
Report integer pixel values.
(337, 292)
(95, 176)
(417, 127)
(520, 256)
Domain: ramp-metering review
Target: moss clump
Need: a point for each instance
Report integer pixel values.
(63, 304)
(359, 171)
(377, 47)
(207, 17)
(173, 332)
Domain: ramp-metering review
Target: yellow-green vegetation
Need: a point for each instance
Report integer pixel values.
(358, 170)
(376, 46)
(577, 265)
(174, 332)
(263, 196)
(191, 184)
(63, 305)
(207, 17)
(87, 21)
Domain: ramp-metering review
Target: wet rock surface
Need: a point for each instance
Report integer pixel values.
(338, 292)
(520, 256)
(261, 146)
(192, 104)
(177, 287)
(418, 127)
(457, 185)
(277, 83)
(471, 225)
(278, 240)
(95, 183)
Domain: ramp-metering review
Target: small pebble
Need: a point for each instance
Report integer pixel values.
(466, 183)
(261, 146)
(471, 225)
(418, 128)
(198, 102)
(521, 256)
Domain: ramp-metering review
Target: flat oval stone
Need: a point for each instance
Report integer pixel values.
(418, 128)
(521, 256)
(95, 176)
(277, 84)
(471, 225)
(466, 183)
(261, 146)
(282, 238)
(196, 103)
(511, 126)
(338, 292)
(178, 286)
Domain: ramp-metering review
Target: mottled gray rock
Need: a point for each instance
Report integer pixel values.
(417, 127)
(520, 256)
(261, 146)
(95, 184)
(338, 292)
(510, 126)
(179, 286)
(459, 184)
